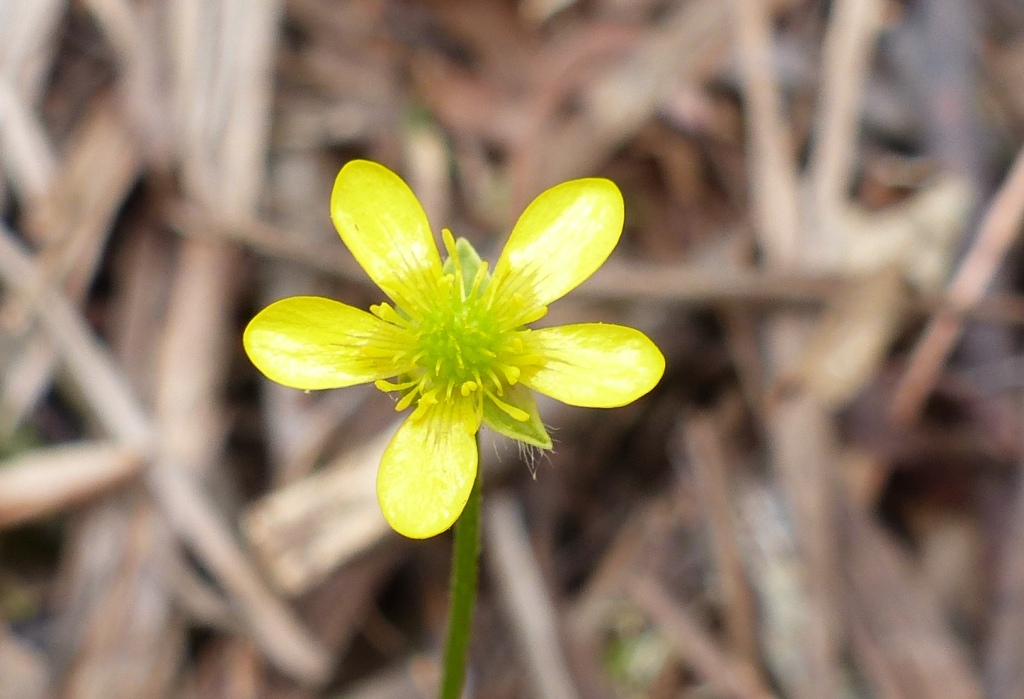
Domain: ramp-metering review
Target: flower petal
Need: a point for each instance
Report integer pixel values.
(427, 471)
(564, 235)
(386, 229)
(310, 342)
(593, 365)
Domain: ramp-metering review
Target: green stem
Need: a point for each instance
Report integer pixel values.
(466, 550)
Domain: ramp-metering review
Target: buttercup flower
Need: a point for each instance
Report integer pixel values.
(453, 342)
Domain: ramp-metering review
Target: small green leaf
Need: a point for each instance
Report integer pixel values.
(530, 431)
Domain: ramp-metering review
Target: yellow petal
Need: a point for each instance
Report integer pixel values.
(564, 235)
(310, 342)
(427, 471)
(387, 231)
(593, 365)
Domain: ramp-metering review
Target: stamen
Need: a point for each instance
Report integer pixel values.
(408, 398)
(530, 359)
(512, 411)
(385, 312)
(511, 373)
(525, 346)
(531, 317)
(430, 397)
(481, 274)
(453, 255)
(388, 387)
(449, 246)
(420, 411)
(496, 380)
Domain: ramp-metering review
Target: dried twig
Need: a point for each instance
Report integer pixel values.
(850, 37)
(800, 437)
(305, 530)
(1004, 671)
(180, 498)
(47, 480)
(526, 599)
(704, 447)
(99, 168)
(684, 284)
(24, 669)
(998, 230)
(776, 207)
(725, 674)
(902, 618)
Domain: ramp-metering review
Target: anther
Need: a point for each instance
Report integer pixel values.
(512, 411)
(387, 386)
(385, 312)
(481, 274)
(496, 380)
(408, 398)
(511, 373)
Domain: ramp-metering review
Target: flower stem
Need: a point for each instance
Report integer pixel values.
(465, 552)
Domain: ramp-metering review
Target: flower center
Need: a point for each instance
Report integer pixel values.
(458, 342)
(459, 345)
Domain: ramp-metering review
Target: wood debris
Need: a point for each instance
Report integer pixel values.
(822, 498)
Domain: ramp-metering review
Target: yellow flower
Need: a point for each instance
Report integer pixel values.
(454, 342)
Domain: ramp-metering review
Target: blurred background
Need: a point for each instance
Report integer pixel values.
(822, 498)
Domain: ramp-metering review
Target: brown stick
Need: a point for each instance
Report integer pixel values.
(900, 616)
(1004, 668)
(704, 448)
(526, 599)
(772, 169)
(183, 503)
(998, 230)
(849, 40)
(39, 482)
(686, 284)
(799, 429)
(726, 675)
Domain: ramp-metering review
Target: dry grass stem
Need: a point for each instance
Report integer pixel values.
(83, 200)
(525, 598)
(850, 37)
(305, 530)
(997, 231)
(903, 618)
(1004, 671)
(726, 675)
(185, 507)
(24, 669)
(706, 453)
(49, 480)
(798, 180)
(799, 429)
(776, 202)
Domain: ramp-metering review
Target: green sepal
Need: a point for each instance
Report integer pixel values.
(530, 430)
(470, 262)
